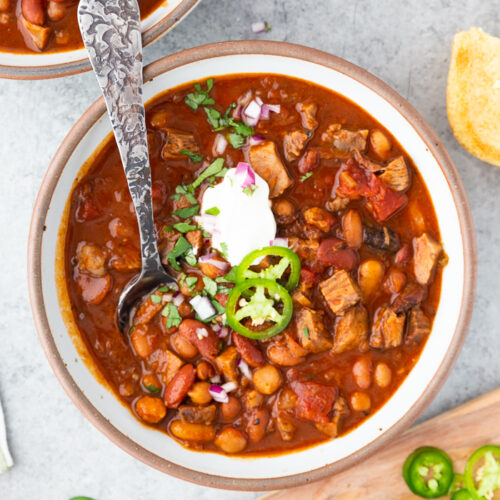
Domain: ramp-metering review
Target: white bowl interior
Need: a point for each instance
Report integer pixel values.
(51, 59)
(414, 385)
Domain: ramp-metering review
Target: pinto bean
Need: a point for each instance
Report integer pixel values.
(231, 409)
(56, 10)
(204, 370)
(33, 11)
(360, 401)
(212, 271)
(361, 371)
(150, 381)
(231, 440)
(199, 393)
(141, 341)
(183, 346)
(380, 144)
(352, 229)
(382, 375)
(267, 380)
(207, 345)
(287, 399)
(187, 431)
(394, 281)
(281, 355)
(179, 386)
(150, 409)
(248, 350)
(370, 276)
(257, 424)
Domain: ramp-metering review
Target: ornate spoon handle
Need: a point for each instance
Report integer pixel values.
(111, 32)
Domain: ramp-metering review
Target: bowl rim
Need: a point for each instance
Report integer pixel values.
(246, 47)
(164, 25)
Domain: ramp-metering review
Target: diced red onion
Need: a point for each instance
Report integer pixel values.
(201, 333)
(279, 242)
(267, 108)
(223, 332)
(211, 259)
(220, 144)
(229, 386)
(259, 27)
(216, 327)
(166, 297)
(259, 100)
(244, 368)
(218, 393)
(216, 379)
(245, 170)
(255, 139)
(251, 113)
(203, 307)
(178, 299)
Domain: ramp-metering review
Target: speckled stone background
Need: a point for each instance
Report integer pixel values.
(57, 453)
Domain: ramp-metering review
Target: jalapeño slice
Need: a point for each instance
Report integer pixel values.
(482, 472)
(428, 472)
(275, 272)
(256, 300)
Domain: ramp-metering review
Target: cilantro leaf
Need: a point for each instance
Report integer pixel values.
(224, 248)
(181, 247)
(171, 312)
(182, 227)
(240, 128)
(201, 97)
(210, 285)
(306, 332)
(155, 299)
(213, 169)
(305, 176)
(213, 116)
(185, 213)
(190, 258)
(191, 282)
(236, 140)
(193, 156)
(213, 211)
(152, 388)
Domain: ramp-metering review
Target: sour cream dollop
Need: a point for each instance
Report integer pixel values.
(244, 220)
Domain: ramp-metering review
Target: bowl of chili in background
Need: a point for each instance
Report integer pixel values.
(73, 364)
(63, 52)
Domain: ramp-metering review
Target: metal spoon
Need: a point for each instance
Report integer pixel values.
(111, 32)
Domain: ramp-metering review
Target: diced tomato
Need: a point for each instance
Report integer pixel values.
(332, 252)
(307, 277)
(314, 401)
(221, 298)
(386, 202)
(354, 181)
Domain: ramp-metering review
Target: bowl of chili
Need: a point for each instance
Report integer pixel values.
(41, 40)
(279, 67)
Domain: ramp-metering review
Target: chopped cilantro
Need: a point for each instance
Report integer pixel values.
(168, 288)
(306, 332)
(182, 227)
(236, 140)
(224, 248)
(230, 277)
(210, 285)
(214, 117)
(171, 312)
(223, 289)
(191, 282)
(250, 190)
(193, 156)
(187, 212)
(152, 388)
(201, 97)
(213, 169)
(241, 129)
(213, 211)
(181, 247)
(132, 328)
(305, 176)
(190, 258)
(155, 299)
(268, 26)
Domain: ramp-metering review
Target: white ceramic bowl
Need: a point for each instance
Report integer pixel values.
(450, 325)
(36, 66)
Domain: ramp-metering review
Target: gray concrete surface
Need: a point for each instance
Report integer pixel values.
(58, 454)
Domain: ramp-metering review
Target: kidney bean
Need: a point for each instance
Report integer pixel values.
(332, 253)
(248, 350)
(207, 345)
(33, 11)
(179, 386)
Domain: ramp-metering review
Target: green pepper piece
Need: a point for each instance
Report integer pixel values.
(486, 460)
(458, 483)
(288, 259)
(409, 461)
(462, 494)
(259, 307)
(429, 473)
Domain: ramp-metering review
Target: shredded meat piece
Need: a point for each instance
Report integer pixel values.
(381, 237)
(426, 254)
(195, 238)
(176, 141)
(39, 34)
(286, 426)
(319, 218)
(197, 414)
(125, 258)
(169, 365)
(226, 363)
(266, 162)
(337, 204)
(411, 296)
(293, 144)
(92, 259)
(340, 291)
(340, 409)
(307, 113)
(419, 327)
(147, 311)
(351, 330)
(387, 329)
(305, 249)
(311, 330)
(397, 174)
(308, 162)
